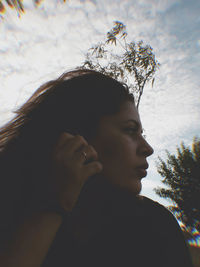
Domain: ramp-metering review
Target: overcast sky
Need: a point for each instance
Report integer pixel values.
(54, 37)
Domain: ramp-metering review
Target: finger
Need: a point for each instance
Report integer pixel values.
(76, 144)
(62, 139)
(87, 154)
(93, 168)
(70, 143)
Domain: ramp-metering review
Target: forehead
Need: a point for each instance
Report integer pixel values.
(127, 112)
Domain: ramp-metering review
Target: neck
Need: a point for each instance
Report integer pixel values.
(99, 202)
(99, 197)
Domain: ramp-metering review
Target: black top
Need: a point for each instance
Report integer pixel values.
(125, 231)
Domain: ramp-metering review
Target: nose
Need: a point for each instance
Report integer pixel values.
(145, 149)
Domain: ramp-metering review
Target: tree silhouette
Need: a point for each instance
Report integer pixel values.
(181, 174)
(132, 63)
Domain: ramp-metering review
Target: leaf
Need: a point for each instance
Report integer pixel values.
(118, 28)
(2, 8)
(18, 5)
(153, 80)
(111, 38)
(10, 3)
(181, 174)
(37, 2)
(133, 63)
(124, 35)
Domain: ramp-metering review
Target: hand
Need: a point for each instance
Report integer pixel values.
(74, 161)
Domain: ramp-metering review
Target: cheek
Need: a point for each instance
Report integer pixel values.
(116, 150)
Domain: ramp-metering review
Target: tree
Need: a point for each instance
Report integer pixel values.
(181, 174)
(17, 4)
(132, 63)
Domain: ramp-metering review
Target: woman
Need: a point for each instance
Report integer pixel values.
(71, 167)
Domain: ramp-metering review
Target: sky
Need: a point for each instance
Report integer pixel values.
(54, 37)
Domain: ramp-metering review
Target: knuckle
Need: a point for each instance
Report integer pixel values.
(96, 166)
(93, 151)
(64, 137)
(81, 139)
(99, 166)
(62, 140)
(91, 147)
(67, 135)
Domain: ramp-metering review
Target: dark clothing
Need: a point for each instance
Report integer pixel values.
(130, 231)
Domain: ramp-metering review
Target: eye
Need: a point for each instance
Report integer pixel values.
(131, 130)
(134, 131)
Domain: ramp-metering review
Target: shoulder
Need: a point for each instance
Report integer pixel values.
(160, 214)
(154, 206)
(150, 203)
(167, 227)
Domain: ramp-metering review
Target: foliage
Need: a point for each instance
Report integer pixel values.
(132, 63)
(181, 174)
(17, 4)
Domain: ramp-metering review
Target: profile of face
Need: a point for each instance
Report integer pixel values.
(122, 149)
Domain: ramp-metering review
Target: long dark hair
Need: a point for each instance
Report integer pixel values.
(75, 102)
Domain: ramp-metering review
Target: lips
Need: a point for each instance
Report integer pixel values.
(142, 170)
(143, 166)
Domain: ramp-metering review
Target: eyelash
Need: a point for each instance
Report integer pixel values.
(134, 131)
(131, 131)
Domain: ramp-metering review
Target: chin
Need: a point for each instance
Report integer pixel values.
(134, 188)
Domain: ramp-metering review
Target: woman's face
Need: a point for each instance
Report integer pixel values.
(122, 149)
